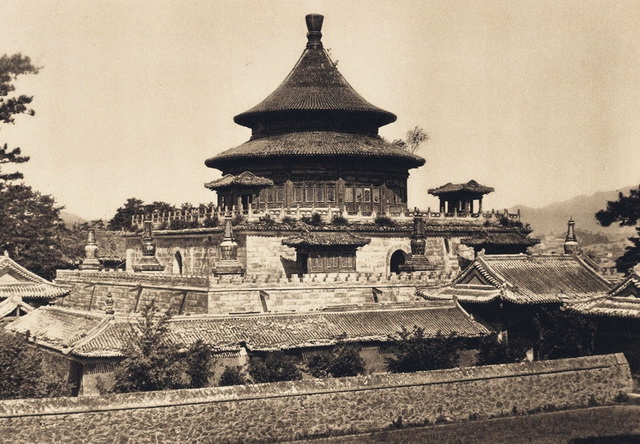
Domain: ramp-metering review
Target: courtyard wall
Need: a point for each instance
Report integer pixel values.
(299, 409)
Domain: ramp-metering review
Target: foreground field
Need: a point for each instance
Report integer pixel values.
(618, 424)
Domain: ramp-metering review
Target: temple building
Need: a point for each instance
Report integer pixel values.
(315, 157)
(315, 141)
(21, 290)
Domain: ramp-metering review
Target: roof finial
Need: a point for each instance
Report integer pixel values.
(314, 26)
(6, 253)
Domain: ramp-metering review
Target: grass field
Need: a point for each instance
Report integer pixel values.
(619, 424)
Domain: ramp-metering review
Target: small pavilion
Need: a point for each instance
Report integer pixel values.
(459, 197)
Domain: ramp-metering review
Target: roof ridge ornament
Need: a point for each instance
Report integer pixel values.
(314, 26)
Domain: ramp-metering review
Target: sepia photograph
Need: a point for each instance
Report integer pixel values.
(320, 221)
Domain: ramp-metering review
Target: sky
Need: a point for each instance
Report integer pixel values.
(539, 99)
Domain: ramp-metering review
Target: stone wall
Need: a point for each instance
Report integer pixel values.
(236, 294)
(262, 252)
(289, 410)
(132, 291)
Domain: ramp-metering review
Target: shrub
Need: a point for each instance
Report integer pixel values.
(414, 352)
(339, 219)
(237, 220)
(287, 220)
(23, 373)
(267, 219)
(491, 351)
(211, 222)
(507, 222)
(564, 334)
(315, 220)
(232, 375)
(275, 367)
(384, 221)
(342, 360)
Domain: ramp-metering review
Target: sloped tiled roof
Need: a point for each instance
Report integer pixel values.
(524, 279)
(317, 144)
(326, 239)
(245, 179)
(623, 301)
(56, 327)
(15, 280)
(471, 186)
(465, 293)
(256, 332)
(315, 84)
(9, 306)
(617, 307)
(507, 238)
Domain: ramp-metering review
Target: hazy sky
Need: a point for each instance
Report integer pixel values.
(539, 99)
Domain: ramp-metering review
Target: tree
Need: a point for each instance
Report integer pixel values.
(122, 219)
(32, 231)
(414, 352)
(23, 374)
(153, 362)
(342, 360)
(492, 351)
(232, 375)
(275, 367)
(11, 67)
(625, 211)
(564, 334)
(413, 140)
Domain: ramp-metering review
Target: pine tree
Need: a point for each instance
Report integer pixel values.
(626, 212)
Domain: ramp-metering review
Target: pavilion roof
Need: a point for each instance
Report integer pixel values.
(243, 180)
(471, 187)
(323, 144)
(15, 280)
(524, 279)
(325, 239)
(106, 336)
(315, 84)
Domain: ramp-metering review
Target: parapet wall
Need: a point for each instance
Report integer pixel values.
(239, 294)
(290, 410)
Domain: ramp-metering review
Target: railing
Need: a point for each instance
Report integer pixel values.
(198, 217)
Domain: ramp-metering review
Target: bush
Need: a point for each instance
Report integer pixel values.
(315, 220)
(177, 224)
(211, 222)
(339, 219)
(23, 373)
(564, 334)
(414, 352)
(287, 220)
(491, 351)
(275, 367)
(342, 360)
(267, 219)
(232, 375)
(384, 221)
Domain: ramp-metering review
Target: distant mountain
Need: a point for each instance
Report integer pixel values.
(552, 219)
(70, 218)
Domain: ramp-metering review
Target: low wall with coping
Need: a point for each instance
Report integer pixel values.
(290, 410)
(130, 292)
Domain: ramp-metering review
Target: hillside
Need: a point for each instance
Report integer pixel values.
(70, 218)
(552, 219)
